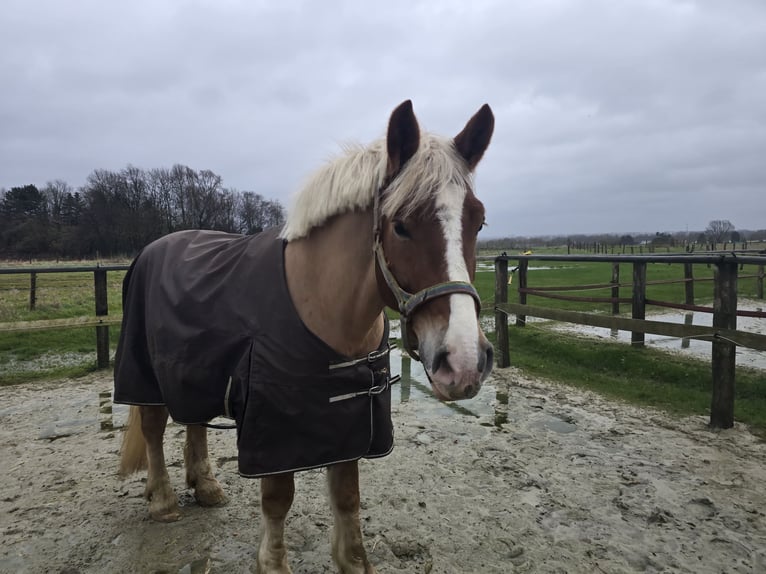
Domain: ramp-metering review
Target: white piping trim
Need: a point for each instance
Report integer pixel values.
(324, 464)
(226, 412)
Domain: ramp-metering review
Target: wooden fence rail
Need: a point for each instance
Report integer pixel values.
(101, 321)
(723, 334)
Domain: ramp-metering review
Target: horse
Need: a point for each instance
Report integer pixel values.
(286, 333)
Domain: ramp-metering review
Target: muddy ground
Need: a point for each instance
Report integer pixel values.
(570, 483)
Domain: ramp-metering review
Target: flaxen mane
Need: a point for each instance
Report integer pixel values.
(349, 183)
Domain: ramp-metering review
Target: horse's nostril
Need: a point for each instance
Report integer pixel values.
(485, 360)
(441, 360)
(490, 359)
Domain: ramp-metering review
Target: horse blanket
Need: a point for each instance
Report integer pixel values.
(209, 330)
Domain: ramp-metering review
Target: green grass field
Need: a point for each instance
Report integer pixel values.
(30, 355)
(644, 376)
(591, 273)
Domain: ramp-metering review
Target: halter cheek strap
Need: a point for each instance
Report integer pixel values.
(407, 302)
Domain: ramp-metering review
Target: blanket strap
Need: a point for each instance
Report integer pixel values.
(369, 358)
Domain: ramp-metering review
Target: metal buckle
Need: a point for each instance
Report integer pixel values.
(373, 356)
(370, 358)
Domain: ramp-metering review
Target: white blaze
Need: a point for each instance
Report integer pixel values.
(462, 336)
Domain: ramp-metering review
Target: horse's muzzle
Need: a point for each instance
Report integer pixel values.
(455, 376)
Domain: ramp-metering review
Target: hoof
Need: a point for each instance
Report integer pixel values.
(210, 493)
(163, 504)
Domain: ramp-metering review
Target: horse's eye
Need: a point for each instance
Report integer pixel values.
(483, 225)
(401, 230)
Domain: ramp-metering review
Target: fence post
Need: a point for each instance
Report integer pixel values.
(32, 290)
(759, 283)
(501, 317)
(639, 300)
(616, 288)
(521, 320)
(724, 352)
(688, 284)
(102, 309)
(688, 321)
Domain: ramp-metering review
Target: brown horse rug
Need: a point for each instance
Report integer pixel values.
(209, 330)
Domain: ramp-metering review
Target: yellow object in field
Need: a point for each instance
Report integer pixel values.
(527, 253)
(510, 279)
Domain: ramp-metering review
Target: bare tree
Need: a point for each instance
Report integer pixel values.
(160, 190)
(55, 193)
(275, 213)
(118, 212)
(257, 213)
(225, 214)
(718, 230)
(196, 197)
(182, 180)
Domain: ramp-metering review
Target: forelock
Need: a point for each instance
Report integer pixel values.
(434, 168)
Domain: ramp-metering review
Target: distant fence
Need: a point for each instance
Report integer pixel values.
(100, 320)
(723, 333)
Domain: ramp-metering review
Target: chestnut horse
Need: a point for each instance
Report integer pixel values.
(391, 224)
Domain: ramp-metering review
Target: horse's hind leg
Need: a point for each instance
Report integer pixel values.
(347, 547)
(276, 498)
(163, 505)
(199, 474)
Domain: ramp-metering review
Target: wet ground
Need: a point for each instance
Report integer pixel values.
(526, 477)
(695, 347)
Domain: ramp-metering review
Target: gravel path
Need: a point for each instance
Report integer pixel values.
(557, 480)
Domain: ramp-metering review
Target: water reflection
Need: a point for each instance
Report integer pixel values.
(490, 406)
(406, 373)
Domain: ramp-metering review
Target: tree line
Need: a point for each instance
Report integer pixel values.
(118, 212)
(718, 233)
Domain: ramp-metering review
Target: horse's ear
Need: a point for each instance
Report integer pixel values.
(472, 142)
(402, 139)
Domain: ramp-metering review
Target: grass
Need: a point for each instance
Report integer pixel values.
(58, 296)
(588, 273)
(643, 376)
(30, 355)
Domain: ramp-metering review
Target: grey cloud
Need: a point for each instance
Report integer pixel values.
(629, 116)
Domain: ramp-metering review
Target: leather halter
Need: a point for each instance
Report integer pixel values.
(408, 303)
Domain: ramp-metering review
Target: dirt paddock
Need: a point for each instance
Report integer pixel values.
(570, 483)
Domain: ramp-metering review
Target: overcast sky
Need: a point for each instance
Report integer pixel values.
(611, 116)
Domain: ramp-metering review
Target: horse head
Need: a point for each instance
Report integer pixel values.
(427, 219)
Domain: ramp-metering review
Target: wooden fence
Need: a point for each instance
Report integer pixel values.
(100, 320)
(723, 334)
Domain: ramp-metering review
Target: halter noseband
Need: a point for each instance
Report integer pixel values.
(408, 302)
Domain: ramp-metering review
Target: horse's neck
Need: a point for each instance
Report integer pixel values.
(331, 279)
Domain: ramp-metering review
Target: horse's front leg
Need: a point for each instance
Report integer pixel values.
(199, 474)
(276, 498)
(163, 504)
(347, 547)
